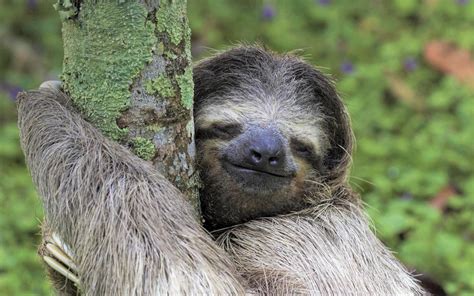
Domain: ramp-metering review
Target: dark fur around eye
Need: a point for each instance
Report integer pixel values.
(219, 131)
(306, 151)
(302, 149)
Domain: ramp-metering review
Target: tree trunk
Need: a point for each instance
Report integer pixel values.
(127, 67)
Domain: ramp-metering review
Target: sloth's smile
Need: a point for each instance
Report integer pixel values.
(257, 171)
(253, 179)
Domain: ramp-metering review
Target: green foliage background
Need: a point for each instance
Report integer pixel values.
(405, 156)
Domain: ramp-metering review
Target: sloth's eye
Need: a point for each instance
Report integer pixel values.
(301, 148)
(220, 131)
(226, 130)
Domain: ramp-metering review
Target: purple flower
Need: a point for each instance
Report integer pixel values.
(347, 67)
(324, 2)
(268, 12)
(32, 4)
(463, 2)
(406, 196)
(10, 89)
(410, 64)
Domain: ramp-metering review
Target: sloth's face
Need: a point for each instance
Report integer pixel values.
(270, 130)
(257, 157)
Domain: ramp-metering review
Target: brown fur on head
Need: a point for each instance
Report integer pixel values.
(281, 96)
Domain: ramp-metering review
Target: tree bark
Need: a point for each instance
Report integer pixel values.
(127, 67)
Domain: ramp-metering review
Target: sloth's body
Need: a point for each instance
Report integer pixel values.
(274, 144)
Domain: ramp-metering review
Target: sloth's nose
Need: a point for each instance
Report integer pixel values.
(259, 151)
(265, 151)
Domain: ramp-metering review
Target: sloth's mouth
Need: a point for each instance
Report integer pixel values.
(257, 181)
(256, 171)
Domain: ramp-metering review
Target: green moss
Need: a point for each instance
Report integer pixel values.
(105, 48)
(65, 9)
(169, 19)
(155, 128)
(161, 85)
(143, 148)
(187, 44)
(186, 85)
(185, 81)
(160, 48)
(170, 55)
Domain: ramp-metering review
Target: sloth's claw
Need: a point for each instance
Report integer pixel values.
(60, 258)
(51, 262)
(55, 240)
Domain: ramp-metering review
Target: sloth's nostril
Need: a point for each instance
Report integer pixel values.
(273, 160)
(257, 157)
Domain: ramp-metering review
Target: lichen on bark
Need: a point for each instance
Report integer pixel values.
(129, 73)
(105, 48)
(143, 148)
(185, 82)
(161, 85)
(127, 67)
(169, 20)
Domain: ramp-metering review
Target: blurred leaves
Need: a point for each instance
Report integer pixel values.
(452, 60)
(414, 122)
(20, 213)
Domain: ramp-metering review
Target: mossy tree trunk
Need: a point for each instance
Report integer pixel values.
(127, 67)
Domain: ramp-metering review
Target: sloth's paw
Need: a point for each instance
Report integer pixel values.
(61, 259)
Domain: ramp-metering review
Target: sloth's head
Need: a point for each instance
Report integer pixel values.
(271, 130)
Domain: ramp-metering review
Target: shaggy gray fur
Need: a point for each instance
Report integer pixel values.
(326, 250)
(132, 232)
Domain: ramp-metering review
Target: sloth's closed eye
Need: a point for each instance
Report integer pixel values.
(301, 148)
(227, 130)
(220, 131)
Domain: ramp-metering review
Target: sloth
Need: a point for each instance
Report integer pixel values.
(274, 146)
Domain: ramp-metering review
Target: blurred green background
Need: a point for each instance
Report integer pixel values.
(414, 124)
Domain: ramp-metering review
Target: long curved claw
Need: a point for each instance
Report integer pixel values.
(62, 246)
(60, 258)
(51, 262)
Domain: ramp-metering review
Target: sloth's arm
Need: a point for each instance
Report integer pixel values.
(131, 231)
